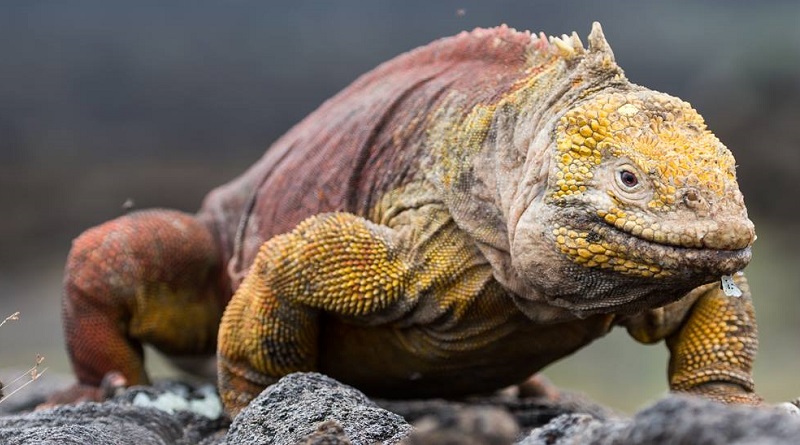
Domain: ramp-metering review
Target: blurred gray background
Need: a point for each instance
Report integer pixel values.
(102, 101)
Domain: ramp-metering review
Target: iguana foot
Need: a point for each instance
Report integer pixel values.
(538, 385)
(112, 384)
(729, 393)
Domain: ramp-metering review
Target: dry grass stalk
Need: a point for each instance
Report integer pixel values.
(12, 317)
(32, 374)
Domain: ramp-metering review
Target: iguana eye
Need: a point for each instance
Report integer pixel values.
(628, 182)
(628, 179)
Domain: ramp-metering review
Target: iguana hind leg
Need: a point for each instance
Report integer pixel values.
(149, 277)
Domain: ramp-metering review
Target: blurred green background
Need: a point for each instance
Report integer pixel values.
(102, 101)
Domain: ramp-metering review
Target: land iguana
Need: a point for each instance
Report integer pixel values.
(451, 223)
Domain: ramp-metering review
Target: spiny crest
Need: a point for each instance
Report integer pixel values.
(571, 46)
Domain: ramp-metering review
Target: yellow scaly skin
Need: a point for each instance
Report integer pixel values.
(715, 349)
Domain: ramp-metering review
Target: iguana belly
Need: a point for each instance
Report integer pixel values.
(417, 362)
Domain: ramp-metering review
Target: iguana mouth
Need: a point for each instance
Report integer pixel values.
(675, 240)
(619, 271)
(594, 243)
(733, 234)
(670, 256)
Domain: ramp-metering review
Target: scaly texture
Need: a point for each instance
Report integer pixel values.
(716, 345)
(452, 222)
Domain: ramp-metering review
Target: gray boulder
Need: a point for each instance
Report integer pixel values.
(479, 425)
(292, 409)
(172, 413)
(675, 420)
(529, 412)
(104, 423)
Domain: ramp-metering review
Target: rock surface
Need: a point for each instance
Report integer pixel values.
(481, 425)
(312, 409)
(529, 412)
(292, 409)
(327, 433)
(675, 420)
(105, 423)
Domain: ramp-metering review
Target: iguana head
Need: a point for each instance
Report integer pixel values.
(579, 187)
(641, 204)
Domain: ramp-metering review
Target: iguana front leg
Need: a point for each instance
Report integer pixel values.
(336, 262)
(342, 265)
(712, 354)
(712, 341)
(147, 277)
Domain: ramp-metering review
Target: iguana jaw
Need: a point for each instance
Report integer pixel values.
(685, 230)
(578, 232)
(714, 247)
(661, 273)
(578, 261)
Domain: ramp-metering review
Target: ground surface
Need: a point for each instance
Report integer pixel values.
(310, 408)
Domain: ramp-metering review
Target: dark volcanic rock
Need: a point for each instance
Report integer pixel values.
(573, 429)
(529, 412)
(675, 420)
(167, 414)
(104, 423)
(290, 410)
(484, 425)
(312, 409)
(327, 433)
(701, 421)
